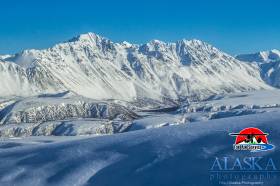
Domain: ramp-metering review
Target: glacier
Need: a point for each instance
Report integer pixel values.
(63, 114)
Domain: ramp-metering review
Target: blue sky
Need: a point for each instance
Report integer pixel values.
(235, 26)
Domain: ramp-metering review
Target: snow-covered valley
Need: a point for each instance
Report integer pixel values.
(176, 147)
(172, 155)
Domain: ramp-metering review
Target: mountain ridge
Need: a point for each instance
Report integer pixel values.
(260, 57)
(96, 67)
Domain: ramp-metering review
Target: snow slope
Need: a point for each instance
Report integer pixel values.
(176, 155)
(14, 80)
(95, 67)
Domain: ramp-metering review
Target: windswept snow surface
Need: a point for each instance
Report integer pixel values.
(174, 155)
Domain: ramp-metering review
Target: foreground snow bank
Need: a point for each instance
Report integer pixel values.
(175, 155)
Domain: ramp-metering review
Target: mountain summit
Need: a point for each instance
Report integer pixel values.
(95, 67)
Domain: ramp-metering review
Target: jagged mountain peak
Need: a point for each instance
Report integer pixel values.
(156, 42)
(194, 42)
(191, 43)
(90, 36)
(194, 49)
(127, 44)
(202, 46)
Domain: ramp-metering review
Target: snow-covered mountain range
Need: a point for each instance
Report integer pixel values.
(95, 67)
(269, 64)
